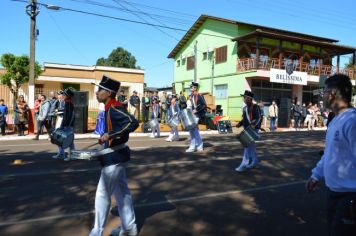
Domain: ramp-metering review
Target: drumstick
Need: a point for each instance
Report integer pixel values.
(92, 145)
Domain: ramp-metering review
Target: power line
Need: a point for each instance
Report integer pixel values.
(167, 18)
(121, 19)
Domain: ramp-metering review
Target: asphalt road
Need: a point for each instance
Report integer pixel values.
(174, 193)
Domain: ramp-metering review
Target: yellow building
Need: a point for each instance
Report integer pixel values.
(55, 77)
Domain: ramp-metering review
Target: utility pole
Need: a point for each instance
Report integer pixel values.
(32, 11)
(195, 60)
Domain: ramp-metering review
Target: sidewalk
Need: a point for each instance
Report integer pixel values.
(10, 137)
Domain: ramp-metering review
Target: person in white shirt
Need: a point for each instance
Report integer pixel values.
(338, 164)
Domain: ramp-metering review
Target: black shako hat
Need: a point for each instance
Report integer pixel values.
(68, 92)
(248, 94)
(194, 84)
(109, 84)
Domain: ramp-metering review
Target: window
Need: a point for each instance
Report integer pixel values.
(221, 91)
(178, 63)
(205, 56)
(190, 63)
(221, 54)
(38, 88)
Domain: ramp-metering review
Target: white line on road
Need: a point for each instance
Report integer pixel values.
(169, 201)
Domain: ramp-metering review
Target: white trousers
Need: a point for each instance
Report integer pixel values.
(195, 138)
(174, 132)
(113, 181)
(250, 156)
(156, 130)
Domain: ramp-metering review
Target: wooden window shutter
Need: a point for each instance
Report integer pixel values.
(221, 54)
(190, 63)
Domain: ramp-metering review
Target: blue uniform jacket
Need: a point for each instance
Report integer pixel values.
(155, 111)
(173, 113)
(251, 116)
(118, 124)
(68, 114)
(199, 104)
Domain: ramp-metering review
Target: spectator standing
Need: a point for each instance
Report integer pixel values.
(122, 98)
(337, 165)
(297, 113)
(163, 101)
(21, 115)
(263, 116)
(37, 110)
(3, 115)
(43, 117)
(135, 105)
(304, 115)
(54, 104)
(273, 115)
(145, 107)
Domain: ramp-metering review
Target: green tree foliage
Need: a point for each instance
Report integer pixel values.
(17, 71)
(119, 57)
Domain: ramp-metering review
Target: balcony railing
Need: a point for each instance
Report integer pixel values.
(246, 64)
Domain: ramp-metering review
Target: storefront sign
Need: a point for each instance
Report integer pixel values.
(288, 76)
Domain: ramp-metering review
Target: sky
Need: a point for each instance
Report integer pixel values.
(69, 37)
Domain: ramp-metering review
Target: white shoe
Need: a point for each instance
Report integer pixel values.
(119, 232)
(200, 148)
(168, 139)
(190, 150)
(241, 169)
(67, 158)
(58, 156)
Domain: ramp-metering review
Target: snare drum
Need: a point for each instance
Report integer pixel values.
(62, 137)
(247, 136)
(188, 119)
(89, 155)
(173, 122)
(153, 123)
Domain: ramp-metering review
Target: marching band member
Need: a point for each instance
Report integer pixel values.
(66, 109)
(173, 112)
(154, 115)
(118, 124)
(250, 117)
(199, 109)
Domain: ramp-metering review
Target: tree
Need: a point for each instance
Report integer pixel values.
(17, 72)
(119, 57)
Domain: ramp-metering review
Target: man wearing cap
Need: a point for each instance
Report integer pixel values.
(135, 104)
(199, 110)
(251, 117)
(122, 98)
(118, 125)
(66, 110)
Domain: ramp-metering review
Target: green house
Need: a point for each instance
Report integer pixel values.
(227, 57)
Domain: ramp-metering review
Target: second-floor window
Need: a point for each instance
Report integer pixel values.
(221, 54)
(190, 63)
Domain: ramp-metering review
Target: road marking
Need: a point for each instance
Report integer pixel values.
(132, 165)
(169, 201)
